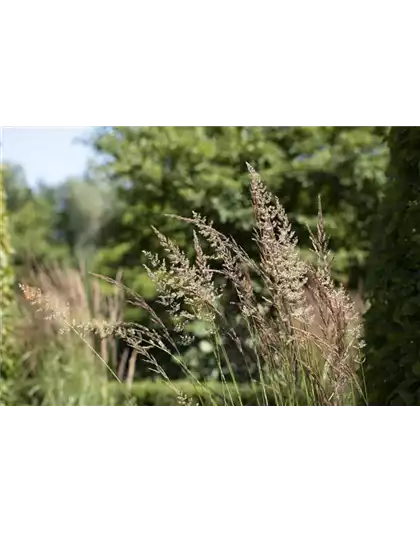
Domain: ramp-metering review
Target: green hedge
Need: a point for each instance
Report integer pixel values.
(9, 359)
(158, 393)
(392, 332)
(150, 392)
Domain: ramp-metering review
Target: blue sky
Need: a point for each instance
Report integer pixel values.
(47, 154)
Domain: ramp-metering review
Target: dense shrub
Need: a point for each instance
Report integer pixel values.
(9, 363)
(392, 327)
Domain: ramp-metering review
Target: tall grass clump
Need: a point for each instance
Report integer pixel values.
(65, 368)
(297, 333)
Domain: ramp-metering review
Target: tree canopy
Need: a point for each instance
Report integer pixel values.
(161, 170)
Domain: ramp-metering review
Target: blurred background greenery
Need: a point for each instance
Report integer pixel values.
(101, 222)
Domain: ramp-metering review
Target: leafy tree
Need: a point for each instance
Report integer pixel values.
(16, 186)
(176, 170)
(33, 220)
(392, 369)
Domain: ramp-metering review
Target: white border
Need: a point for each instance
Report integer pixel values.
(47, 123)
